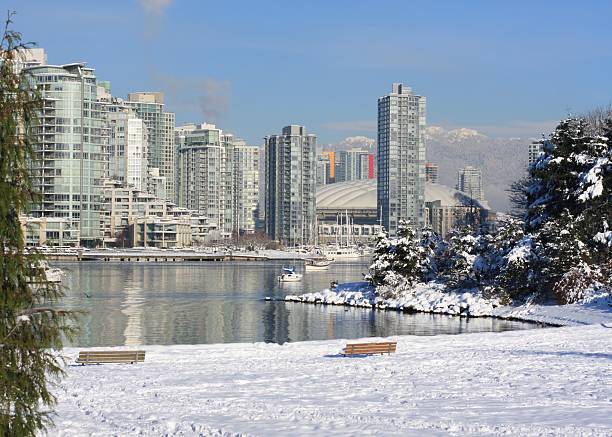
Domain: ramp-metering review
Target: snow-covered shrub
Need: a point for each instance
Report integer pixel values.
(579, 283)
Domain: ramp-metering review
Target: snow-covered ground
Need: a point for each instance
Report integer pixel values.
(432, 297)
(554, 381)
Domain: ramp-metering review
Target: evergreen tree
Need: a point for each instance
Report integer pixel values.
(460, 258)
(382, 259)
(410, 259)
(433, 247)
(30, 328)
(398, 261)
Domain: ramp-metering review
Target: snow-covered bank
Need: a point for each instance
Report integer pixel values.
(531, 382)
(434, 298)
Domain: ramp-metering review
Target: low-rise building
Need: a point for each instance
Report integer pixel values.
(49, 231)
(355, 203)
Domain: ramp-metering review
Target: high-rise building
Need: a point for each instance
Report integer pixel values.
(331, 166)
(32, 57)
(290, 186)
(245, 176)
(401, 158)
(353, 165)
(218, 177)
(70, 150)
(371, 166)
(200, 172)
(469, 181)
(431, 173)
(128, 144)
(149, 107)
(536, 148)
(322, 170)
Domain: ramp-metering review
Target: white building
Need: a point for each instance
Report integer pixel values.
(290, 186)
(201, 186)
(352, 165)
(128, 140)
(245, 178)
(536, 148)
(149, 106)
(445, 209)
(219, 177)
(401, 158)
(70, 149)
(469, 181)
(129, 212)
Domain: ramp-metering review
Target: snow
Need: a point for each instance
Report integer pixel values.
(433, 297)
(591, 183)
(553, 381)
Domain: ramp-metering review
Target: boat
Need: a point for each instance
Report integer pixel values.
(54, 274)
(342, 252)
(51, 274)
(318, 263)
(289, 275)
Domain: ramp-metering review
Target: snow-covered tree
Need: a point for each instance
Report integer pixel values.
(433, 247)
(382, 260)
(398, 261)
(460, 256)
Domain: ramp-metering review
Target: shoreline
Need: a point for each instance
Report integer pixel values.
(412, 311)
(431, 298)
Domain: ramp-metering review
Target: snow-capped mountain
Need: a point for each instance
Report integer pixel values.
(454, 135)
(502, 160)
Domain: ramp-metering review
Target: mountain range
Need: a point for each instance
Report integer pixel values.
(502, 160)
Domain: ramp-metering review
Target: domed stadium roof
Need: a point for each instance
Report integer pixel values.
(362, 195)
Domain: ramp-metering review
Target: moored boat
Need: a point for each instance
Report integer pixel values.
(318, 263)
(344, 252)
(289, 275)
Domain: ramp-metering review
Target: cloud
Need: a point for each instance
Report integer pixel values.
(154, 11)
(356, 125)
(209, 97)
(155, 7)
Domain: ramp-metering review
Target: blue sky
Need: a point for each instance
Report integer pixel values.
(505, 68)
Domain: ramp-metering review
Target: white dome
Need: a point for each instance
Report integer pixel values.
(362, 195)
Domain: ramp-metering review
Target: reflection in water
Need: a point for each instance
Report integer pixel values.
(177, 303)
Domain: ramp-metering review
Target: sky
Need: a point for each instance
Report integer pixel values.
(508, 69)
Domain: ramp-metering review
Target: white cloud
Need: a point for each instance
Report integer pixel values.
(155, 7)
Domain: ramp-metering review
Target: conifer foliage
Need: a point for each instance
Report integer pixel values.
(560, 250)
(399, 261)
(31, 329)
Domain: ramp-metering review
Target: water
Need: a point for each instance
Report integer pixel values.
(222, 302)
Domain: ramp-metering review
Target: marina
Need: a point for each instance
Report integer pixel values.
(187, 255)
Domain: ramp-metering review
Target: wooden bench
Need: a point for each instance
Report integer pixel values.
(385, 347)
(100, 357)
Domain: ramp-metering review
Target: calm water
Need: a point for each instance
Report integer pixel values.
(178, 303)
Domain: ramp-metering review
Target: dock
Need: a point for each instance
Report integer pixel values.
(161, 255)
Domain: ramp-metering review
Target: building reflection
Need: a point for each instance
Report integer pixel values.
(190, 303)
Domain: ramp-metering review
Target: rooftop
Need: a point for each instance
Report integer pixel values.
(362, 195)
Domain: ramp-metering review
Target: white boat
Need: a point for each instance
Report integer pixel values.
(289, 275)
(52, 274)
(342, 252)
(319, 263)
